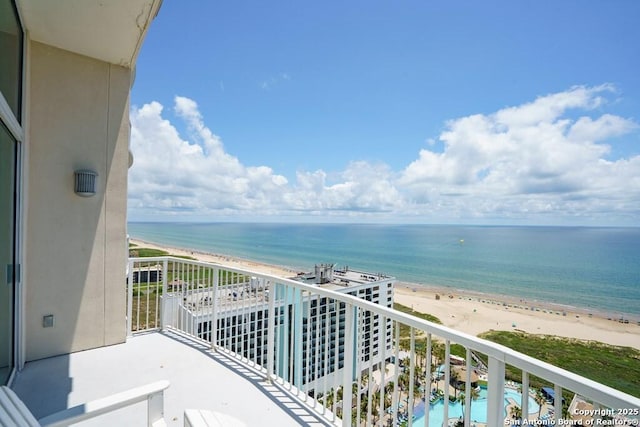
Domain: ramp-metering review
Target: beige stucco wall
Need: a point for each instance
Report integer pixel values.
(75, 248)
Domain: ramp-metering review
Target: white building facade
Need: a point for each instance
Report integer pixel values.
(313, 359)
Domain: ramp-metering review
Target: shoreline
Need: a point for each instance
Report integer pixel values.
(471, 312)
(222, 259)
(521, 303)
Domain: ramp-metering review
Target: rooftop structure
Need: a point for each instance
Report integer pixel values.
(339, 279)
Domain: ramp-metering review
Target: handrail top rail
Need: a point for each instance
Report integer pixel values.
(588, 388)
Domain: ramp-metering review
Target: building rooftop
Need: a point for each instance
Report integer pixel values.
(331, 277)
(199, 379)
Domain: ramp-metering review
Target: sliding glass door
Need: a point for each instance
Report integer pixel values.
(7, 251)
(11, 54)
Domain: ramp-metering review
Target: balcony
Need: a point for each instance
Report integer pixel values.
(255, 348)
(199, 379)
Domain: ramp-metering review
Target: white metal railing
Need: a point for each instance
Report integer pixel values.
(340, 353)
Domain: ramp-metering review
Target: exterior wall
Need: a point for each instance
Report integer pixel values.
(75, 248)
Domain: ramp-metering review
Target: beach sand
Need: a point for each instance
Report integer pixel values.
(221, 259)
(472, 313)
(476, 313)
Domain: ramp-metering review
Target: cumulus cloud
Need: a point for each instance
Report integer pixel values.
(530, 159)
(195, 175)
(542, 161)
(178, 176)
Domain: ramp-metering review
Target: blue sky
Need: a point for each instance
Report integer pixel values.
(435, 112)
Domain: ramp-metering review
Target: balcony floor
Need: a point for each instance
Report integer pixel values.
(199, 379)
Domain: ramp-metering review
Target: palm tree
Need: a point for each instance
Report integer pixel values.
(355, 391)
(375, 406)
(438, 352)
(540, 400)
(403, 380)
(364, 380)
(460, 399)
(418, 373)
(475, 393)
(515, 412)
(453, 380)
(405, 362)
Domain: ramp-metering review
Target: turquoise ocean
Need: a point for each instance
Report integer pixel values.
(585, 267)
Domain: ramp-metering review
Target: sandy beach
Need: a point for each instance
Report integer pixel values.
(221, 259)
(469, 312)
(474, 314)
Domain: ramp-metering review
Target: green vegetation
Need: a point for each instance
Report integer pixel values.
(408, 310)
(145, 294)
(148, 252)
(405, 330)
(420, 345)
(145, 311)
(617, 367)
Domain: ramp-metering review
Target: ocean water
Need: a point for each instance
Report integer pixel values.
(592, 268)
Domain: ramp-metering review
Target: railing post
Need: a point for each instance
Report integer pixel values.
(130, 299)
(298, 336)
(396, 356)
(557, 404)
(495, 392)
(467, 390)
(447, 381)
(347, 374)
(155, 408)
(271, 331)
(213, 329)
(412, 372)
(427, 393)
(165, 273)
(525, 395)
(382, 340)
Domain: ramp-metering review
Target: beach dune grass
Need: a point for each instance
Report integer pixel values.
(411, 311)
(149, 252)
(420, 344)
(617, 367)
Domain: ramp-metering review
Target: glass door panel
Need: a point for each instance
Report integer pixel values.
(8, 148)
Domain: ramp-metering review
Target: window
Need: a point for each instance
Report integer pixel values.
(11, 54)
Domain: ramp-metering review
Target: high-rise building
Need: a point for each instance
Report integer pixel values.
(242, 322)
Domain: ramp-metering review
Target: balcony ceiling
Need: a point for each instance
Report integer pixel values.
(108, 30)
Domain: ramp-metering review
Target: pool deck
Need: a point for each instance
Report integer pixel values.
(546, 411)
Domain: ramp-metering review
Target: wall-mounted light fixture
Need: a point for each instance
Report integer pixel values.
(85, 183)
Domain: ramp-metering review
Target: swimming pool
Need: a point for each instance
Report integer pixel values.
(478, 409)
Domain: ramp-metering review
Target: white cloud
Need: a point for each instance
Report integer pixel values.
(543, 161)
(196, 176)
(527, 160)
(274, 81)
(173, 174)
